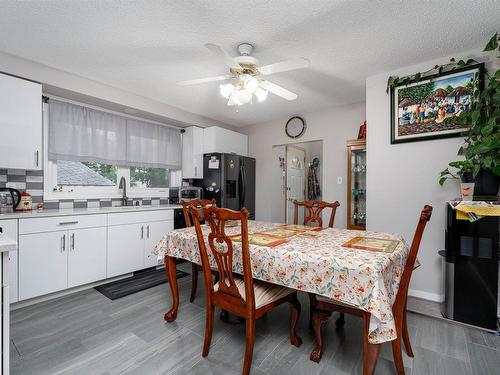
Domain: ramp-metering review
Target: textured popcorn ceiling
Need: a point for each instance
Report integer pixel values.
(146, 46)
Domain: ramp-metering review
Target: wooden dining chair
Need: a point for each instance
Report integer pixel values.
(323, 307)
(240, 295)
(313, 211)
(198, 203)
(312, 214)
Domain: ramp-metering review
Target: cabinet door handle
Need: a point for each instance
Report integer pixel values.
(147, 231)
(72, 241)
(36, 158)
(196, 171)
(63, 243)
(142, 232)
(68, 222)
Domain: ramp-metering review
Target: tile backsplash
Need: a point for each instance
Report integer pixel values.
(32, 183)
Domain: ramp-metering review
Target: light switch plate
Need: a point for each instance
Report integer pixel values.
(15, 185)
(339, 180)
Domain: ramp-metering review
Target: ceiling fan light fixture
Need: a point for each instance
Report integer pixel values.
(243, 96)
(261, 94)
(226, 90)
(251, 83)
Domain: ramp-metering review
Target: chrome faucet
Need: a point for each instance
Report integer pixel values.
(123, 185)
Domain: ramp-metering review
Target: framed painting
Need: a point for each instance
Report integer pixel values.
(429, 108)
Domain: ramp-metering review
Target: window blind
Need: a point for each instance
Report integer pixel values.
(84, 134)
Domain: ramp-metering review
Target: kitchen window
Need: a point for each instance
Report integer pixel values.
(89, 151)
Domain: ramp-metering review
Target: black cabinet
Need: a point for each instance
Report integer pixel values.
(472, 251)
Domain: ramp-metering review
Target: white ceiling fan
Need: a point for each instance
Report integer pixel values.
(246, 70)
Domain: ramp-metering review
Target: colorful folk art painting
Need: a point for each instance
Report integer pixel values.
(431, 108)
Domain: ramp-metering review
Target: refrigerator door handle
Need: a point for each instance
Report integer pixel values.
(240, 187)
(243, 186)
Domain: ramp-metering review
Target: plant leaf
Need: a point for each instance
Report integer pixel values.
(492, 44)
(475, 169)
(442, 180)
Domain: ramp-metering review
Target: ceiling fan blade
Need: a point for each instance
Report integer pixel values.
(278, 90)
(204, 80)
(223, 55)
(284, 66)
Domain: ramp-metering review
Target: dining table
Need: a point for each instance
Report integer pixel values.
(317, 262)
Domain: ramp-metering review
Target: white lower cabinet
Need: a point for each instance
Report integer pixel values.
(130, 246)
(56, 253)
(9, 228)
(51, 261)
(125, 249)
(86, 256)
(154, 233)
(43, 263)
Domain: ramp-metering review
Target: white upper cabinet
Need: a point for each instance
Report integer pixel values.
(216, 139)
(20, 123)
(192, 152)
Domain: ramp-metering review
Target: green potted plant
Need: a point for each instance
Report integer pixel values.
(481, 150)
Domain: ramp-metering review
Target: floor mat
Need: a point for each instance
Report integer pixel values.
(141, 280)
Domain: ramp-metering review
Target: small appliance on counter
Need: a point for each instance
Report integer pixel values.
(26, 203)
(9, 199)
(191, 192)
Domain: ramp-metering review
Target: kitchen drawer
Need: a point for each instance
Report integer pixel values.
(121, 218)
(51, 224)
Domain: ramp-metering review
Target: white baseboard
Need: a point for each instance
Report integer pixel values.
(426, 295)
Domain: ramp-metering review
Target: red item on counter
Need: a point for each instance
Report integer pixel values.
(26, 202)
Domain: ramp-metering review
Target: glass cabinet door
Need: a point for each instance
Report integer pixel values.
(357, 187)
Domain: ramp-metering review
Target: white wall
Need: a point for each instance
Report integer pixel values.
(402, 178)
(75, 87)
(334, 127)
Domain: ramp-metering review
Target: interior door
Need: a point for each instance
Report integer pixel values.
(86, 256)
(295, 180)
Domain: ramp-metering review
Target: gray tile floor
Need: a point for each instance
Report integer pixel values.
(86, 333)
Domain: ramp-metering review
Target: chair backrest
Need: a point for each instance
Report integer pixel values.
(425, 216)
(313, 209)
(221, 247)
(198, 203)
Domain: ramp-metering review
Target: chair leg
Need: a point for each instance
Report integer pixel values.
(194, 281)
(370, 351)
(249, 342)
(209, 328)
(340, 322)
(319, 319)
(312, 307)
(294, 317)
(397, 352)
(398, 356)
(406, 335)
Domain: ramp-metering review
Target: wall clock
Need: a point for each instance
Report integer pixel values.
(295, 127)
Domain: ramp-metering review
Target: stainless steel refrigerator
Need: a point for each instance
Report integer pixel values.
(230, 179)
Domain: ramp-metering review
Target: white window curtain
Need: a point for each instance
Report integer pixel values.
(84, 134)
(150, 145)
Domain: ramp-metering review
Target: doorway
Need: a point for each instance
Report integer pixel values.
(297, 174)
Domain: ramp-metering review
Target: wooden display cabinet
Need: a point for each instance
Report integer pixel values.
(356, 184)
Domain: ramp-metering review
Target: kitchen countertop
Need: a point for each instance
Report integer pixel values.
(85, 211)
(7, 244)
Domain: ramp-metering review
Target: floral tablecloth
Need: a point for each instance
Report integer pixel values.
(320, 265)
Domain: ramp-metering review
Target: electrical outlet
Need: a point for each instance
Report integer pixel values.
(339, 180)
